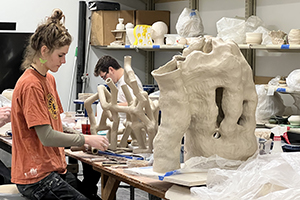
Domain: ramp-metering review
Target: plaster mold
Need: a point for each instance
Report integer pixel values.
(141, 113)
(208, 96)
(278, 37)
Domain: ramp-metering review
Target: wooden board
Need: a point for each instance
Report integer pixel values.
(186, 179)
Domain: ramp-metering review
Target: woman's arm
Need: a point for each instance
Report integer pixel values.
(53, 138)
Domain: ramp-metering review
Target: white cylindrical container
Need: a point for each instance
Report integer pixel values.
(294, 120)
(253, 38)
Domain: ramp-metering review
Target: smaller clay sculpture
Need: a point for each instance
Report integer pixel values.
(141, 113)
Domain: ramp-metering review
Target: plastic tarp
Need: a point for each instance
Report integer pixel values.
(235, 29)
(265, 177)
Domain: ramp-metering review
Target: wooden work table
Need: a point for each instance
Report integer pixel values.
(111, 178)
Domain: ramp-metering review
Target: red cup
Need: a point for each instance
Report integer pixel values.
(86, 129)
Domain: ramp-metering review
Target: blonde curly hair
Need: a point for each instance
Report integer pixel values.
(52, 33)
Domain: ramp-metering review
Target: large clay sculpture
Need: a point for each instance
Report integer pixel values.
(208, 96)
(141, 113)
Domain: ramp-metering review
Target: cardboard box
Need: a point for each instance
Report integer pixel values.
(148, 17)
(103, 22)
(262, 79)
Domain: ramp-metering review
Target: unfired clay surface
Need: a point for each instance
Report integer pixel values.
(141, 113)
(208, 96)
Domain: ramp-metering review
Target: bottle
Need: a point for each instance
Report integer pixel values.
(278, 131)
(85, 125)
(276, 145)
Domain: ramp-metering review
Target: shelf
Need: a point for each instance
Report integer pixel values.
(274, 48)
(277, 48)
(144, 48)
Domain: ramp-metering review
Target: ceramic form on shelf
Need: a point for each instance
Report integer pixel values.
(171, 38)
(120, 25)
(142, 34)
(207, 95)
(182, 41)
(294, 36)
(294, 120)
(253, 38)
(141, 113)
(158, 31)
(278, 37)
(129, 34)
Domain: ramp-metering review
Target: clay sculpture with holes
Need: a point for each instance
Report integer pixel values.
(208, 96)
(141, 113)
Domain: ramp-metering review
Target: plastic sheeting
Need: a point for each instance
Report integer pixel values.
(236, 29)
(189, 23)
(265, 177)
(267, 105)
(293, 80)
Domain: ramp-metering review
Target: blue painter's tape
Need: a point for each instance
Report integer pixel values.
(281, 90)
(127, 46)
(156, 46)
(119, 155)
(285, 46)
(168, 174)
(193, 13)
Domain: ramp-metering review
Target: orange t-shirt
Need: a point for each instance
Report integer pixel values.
(35, 102)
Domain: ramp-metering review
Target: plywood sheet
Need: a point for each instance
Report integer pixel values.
(185, 179)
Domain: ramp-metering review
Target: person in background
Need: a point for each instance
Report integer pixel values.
(4, 115)
(4, 171)
(38, 157)
(108, 67)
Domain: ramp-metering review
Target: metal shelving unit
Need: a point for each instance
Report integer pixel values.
(149, 51)
(277, 48)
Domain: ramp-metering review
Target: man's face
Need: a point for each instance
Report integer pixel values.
(104, 75)
(109, 74)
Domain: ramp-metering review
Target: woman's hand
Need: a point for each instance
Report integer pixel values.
(4, 115)
(97, 141)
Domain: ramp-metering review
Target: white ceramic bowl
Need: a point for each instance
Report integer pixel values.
(253, 38)
(294, 120)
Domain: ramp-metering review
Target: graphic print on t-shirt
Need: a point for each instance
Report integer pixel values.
(52, 106)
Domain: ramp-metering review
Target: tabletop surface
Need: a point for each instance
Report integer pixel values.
(150, 185)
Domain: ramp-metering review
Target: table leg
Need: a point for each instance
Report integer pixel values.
(109, 187)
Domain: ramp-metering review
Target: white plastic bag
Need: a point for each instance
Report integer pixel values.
(189, 23)
(235, 29)
(293, 80)
(267, 106)
(271, 176)
(266, 39)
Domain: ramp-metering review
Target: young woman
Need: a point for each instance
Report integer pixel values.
(38, 158)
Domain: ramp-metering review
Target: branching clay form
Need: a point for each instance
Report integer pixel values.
(141, 113)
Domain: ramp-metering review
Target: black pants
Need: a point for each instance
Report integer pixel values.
(54, 186)
(90, 180)
(4, 174)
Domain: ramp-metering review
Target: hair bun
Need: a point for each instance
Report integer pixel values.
(57, 15)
